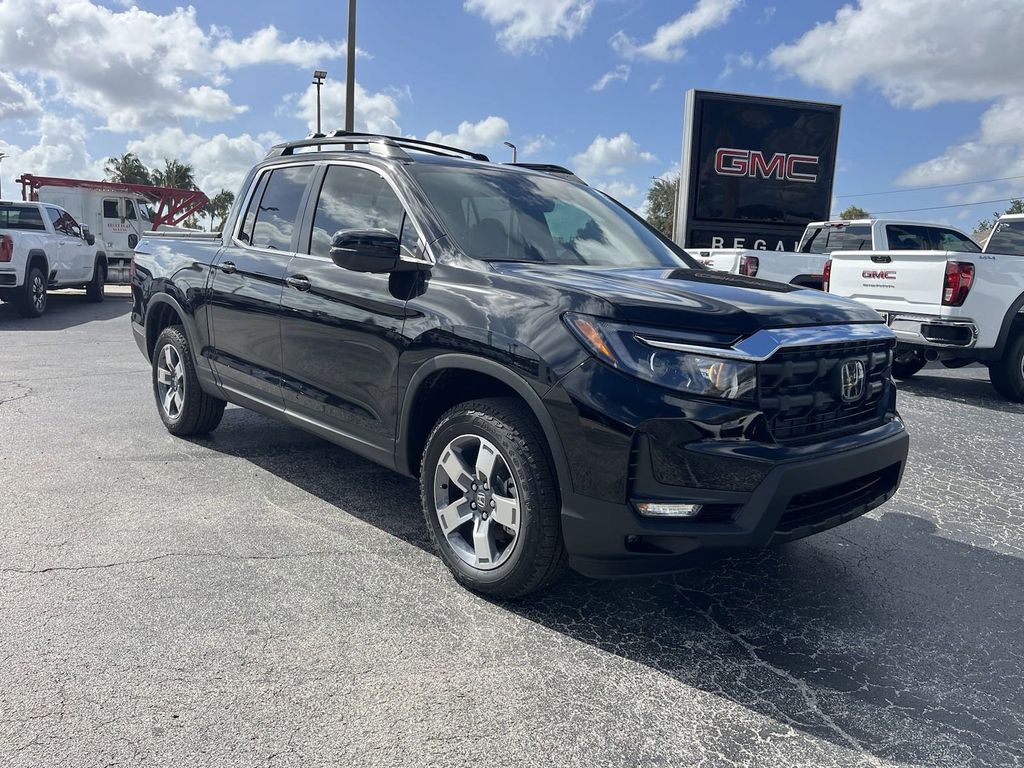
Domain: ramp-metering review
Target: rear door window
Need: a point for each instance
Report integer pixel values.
(276, 215)
(907, 238)
(852, 237)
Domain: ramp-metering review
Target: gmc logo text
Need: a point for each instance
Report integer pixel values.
(754, 164)
(878, 274)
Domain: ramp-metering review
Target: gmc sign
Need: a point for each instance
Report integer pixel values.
(878, 274)
(755, 170)
(753, 164)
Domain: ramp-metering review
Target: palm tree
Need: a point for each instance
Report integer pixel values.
(221, 206)
(175, 174)
(127, 169)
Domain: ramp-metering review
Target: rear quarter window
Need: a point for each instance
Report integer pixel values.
(23, 217)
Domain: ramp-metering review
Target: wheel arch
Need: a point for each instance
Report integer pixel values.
(1015, 314)
(36, 255)
(164, 311)
(413, 431)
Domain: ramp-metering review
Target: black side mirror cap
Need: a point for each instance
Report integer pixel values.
(369, 250)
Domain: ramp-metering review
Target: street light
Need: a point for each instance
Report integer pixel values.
(2, 156)
(515, 151)
(350, 83)
(318, 79)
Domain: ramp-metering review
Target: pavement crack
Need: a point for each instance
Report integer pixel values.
(155, 558)
(807, 693)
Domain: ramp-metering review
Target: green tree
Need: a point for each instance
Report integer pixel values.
(854, 212)
(985, 226)
(175, 174)
(661, 203)
(219, 207)
(127, 169)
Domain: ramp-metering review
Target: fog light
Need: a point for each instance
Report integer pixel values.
(661, 509)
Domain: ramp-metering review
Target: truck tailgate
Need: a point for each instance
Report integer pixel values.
(720, 259)
(905, 281)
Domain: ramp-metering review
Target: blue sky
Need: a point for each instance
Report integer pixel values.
(931, 89)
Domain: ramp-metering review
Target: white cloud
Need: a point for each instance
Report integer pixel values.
(668, 40)
(489, 132)
(535, 145)
(621, 72)
(375, 112)
(220, 161)
(16, 100)
(133, 68)
(610, 157)
(734, 61)
(917, 52)
(61, 150)
(656, 85)
(524, 23)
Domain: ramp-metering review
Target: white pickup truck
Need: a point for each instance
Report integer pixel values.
(42, 247)
(958, 307)
(805, 266)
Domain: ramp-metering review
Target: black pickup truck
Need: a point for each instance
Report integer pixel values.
(570, 388)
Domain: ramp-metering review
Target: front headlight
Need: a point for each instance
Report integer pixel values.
(695, 373)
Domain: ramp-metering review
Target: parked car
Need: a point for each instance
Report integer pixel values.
(570, 388)
(42, 247)
(805, 266)
(958, 307)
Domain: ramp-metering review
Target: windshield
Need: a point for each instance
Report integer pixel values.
(1007, 238)
(145, 211)
(498, 215)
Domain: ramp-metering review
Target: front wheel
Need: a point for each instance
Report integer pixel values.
(1007, 373)
(490, 499)
(185, 408)
(906, 364)
(94, 290)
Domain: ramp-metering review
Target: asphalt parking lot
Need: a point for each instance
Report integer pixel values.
(261, 597)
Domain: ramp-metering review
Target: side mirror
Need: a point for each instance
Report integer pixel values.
(366, 250)
(88, 236)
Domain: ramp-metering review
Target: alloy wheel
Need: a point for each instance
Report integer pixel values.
(38, 292)
(170, 381)
(477, 502)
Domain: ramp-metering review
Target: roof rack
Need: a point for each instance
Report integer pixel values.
(388, 146)
(557, 170)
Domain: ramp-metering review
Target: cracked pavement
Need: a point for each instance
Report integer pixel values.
(261, 597)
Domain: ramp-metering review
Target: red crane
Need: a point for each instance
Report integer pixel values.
(173, 205)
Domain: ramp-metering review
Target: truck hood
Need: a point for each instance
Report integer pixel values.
(698, 299)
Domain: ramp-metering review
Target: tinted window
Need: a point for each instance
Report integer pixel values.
(951, 240)
(852, 237)
(249, 220)
(907, 238)
(110, 209)
(1008, 237)
(21, 217)
(278, 209)
(356, 198)
(54, 215)
(503, 214)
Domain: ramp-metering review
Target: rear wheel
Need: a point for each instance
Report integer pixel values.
(184, 407)
(94, 290)
(1007, 373)
(905, 364)
(490, 499)
(32, 301)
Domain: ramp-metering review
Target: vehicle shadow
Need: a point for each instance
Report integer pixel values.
(66, 310)
(881, 637)
(969, 386)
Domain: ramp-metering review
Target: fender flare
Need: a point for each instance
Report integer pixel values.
(1015, 310)
(456, 361)
(32, 255)
(101, 258)
(165, 299)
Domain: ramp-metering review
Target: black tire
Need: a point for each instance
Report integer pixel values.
(906, 364)
(1007, 373)
(94, 290)
(197, 412)
(538, 557)
(31, 301)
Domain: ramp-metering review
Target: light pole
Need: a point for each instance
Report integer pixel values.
(350, 83)
(515, 152)
(318, 79)
(2, 156)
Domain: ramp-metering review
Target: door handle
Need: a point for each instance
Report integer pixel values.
(299, 282)
(227, 267)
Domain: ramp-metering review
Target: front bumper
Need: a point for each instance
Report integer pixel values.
(628, 442)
